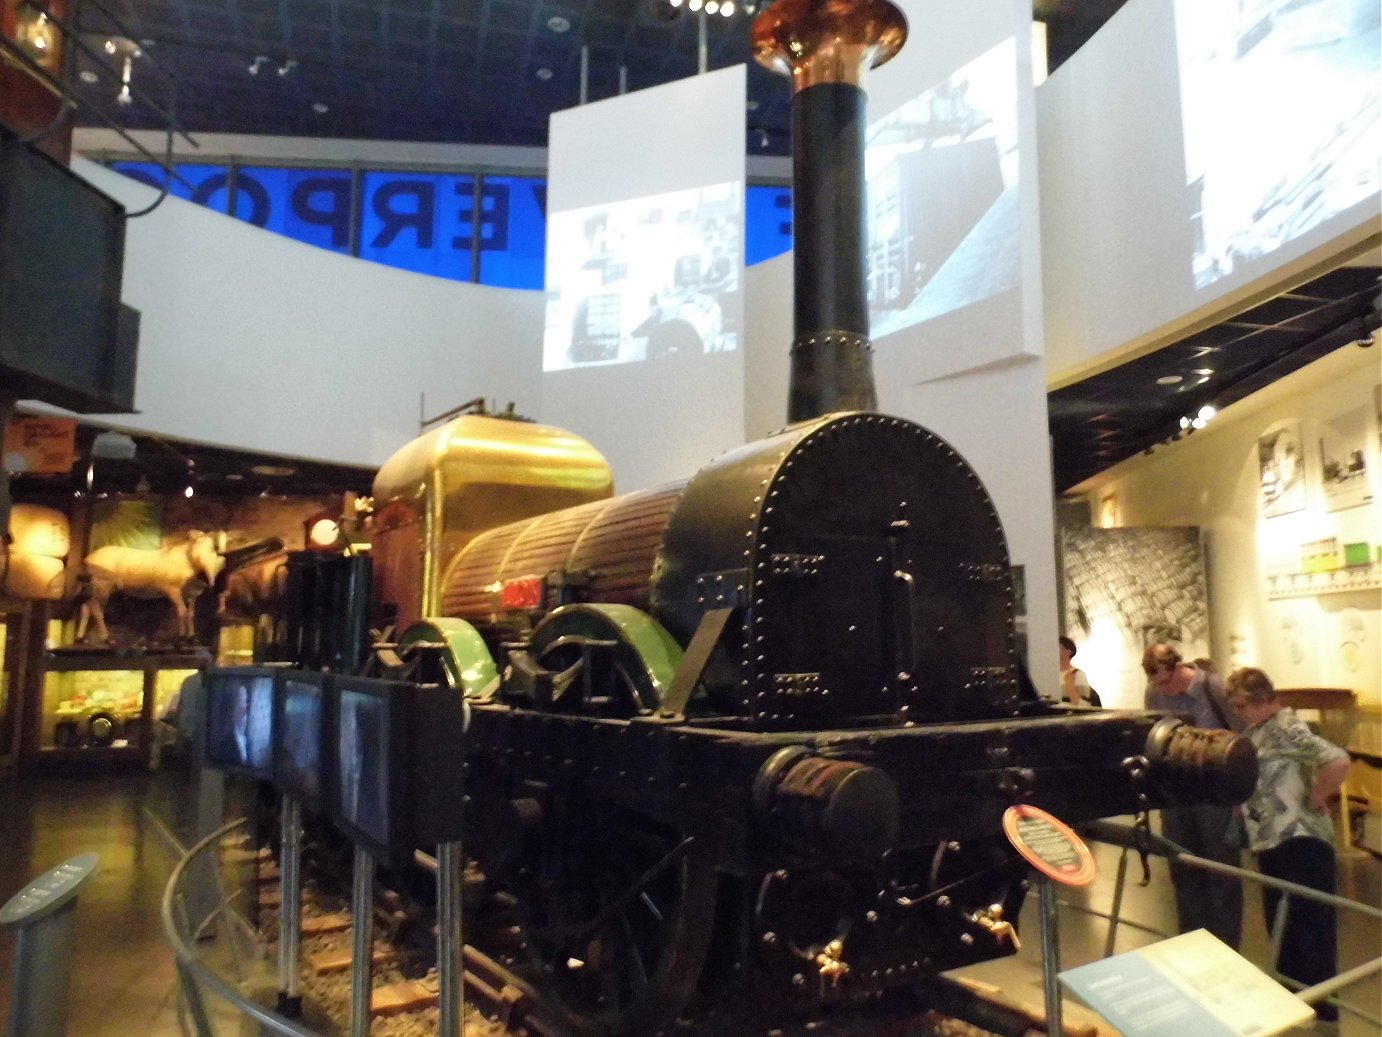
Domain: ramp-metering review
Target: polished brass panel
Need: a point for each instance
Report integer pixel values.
(827, 41)
(474, 473)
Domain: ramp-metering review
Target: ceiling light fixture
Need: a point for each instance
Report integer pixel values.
(543, 74)
(320, 107)
(260, 60)
(559, 24)
(674, 3)
(693, 5)
(287, 67)
(727, 8)
(274, 470)
(124, 97)
(712, 6)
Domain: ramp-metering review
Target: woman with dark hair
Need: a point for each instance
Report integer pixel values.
(1288, 825)
(1074, 684)
(1204, 900)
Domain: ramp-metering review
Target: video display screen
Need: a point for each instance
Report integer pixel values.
(240, 708)
(363, 765)
(298, 762)
(942, 198)
(645, 278)
(1281, 114)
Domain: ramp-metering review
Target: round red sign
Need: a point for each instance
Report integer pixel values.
(1049, 845)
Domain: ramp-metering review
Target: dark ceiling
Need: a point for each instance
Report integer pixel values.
(467, 71)
(1097, 422)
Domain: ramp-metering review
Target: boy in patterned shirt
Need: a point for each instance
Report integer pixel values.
(1288, 823)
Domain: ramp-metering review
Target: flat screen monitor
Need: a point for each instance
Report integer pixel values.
(300, 764)
(368, 794)
(240, 720)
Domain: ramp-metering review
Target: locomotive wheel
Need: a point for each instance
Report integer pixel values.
(468, 662)
(634, 676)
(615, 920)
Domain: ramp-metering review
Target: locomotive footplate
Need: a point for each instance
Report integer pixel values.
(848, 861)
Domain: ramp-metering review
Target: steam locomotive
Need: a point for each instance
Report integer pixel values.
(755, 730)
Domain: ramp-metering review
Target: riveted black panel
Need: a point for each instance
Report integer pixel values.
(877, 575)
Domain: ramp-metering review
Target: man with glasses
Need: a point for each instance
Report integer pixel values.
(1203, 900)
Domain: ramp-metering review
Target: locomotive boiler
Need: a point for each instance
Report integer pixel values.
(755, 732)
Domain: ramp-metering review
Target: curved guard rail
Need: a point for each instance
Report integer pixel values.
(194, 975)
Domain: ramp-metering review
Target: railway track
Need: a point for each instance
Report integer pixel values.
(502, 1003)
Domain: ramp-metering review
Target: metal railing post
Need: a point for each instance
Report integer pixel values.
(290, 908)
(361, 942)
(1050, 955)
(450, 864)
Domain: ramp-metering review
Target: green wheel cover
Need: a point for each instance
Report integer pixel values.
(467, 659)
(646, 652)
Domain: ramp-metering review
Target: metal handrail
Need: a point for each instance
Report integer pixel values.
(194, 975)
(1131, 838)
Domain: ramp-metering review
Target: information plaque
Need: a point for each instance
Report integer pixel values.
(1049, 845)
(1191, 985)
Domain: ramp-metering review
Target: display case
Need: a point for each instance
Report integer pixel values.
(98, 708)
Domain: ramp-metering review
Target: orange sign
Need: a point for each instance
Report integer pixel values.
(1049, 845)
(40, 446)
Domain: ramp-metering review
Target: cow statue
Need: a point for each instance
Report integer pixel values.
(178, 572)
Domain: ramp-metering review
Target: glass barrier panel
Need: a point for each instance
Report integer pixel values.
(210, 184)
(313, 206)
(419, 222)
(513, 231)
(768, 223)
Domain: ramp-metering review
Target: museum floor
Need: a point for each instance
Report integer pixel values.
(123, 980)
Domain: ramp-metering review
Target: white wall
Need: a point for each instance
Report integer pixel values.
(1116, 212)
(1211, 480)
(249, 339)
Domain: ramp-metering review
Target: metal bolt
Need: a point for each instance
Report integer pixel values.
(798, 980)
(770, 938)
(942, 901)
(966, 939)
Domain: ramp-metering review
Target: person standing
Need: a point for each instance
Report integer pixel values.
(1288, 825)
(1074, 685)
(1203, 900)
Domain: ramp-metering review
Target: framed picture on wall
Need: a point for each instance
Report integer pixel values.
(1281, 469)
(1343, 460)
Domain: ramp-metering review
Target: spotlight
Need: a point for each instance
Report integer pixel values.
(287, 67)
(189, 491)
(259, 62)
(693, 5)
(712, 6)
(727, 8)
(674, 3)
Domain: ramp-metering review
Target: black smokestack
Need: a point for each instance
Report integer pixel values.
(825, 46)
